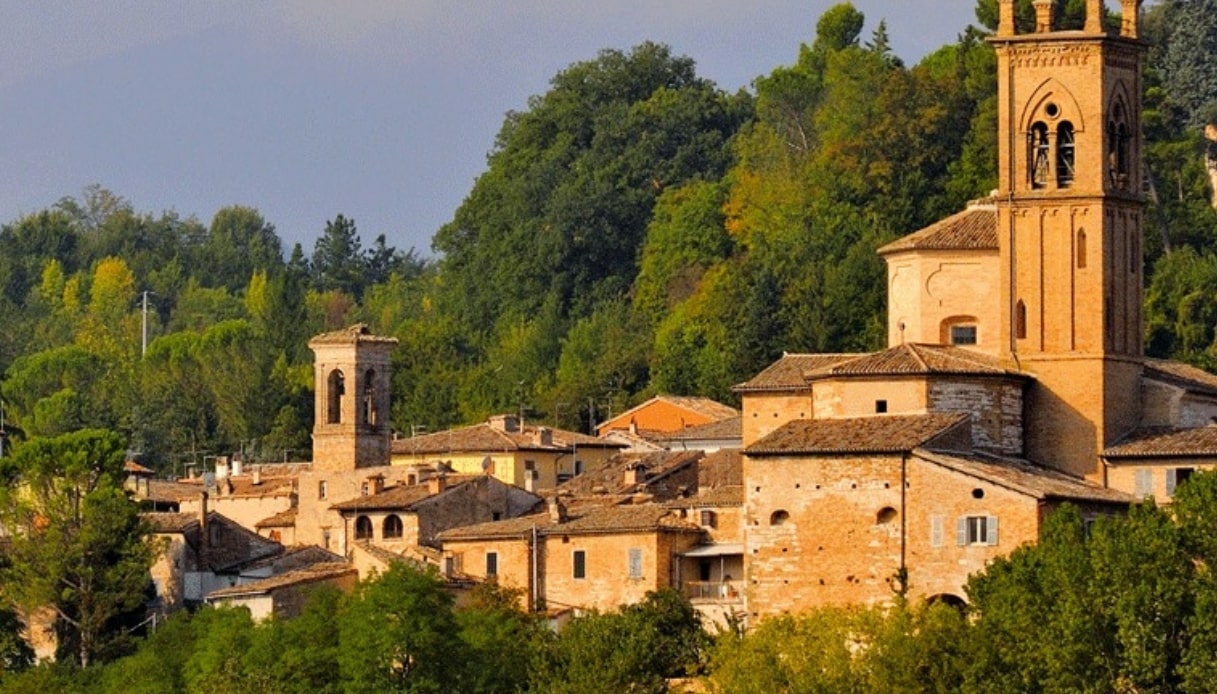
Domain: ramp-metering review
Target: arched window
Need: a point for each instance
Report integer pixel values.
(335, 389)
(368, 402)
(1117, 147)
(363, 528)
(1064, 154)
(1020, 320)
(779, 517)
(886, 515)
(392, 527)
(1081, 249)
(1038, 150)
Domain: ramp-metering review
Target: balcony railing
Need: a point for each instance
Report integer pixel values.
(714, 591)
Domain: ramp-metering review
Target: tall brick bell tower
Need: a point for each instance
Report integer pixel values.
(352, 374)
(1070, 207)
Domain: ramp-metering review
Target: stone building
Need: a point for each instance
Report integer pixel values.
(1014, 379)
(526, 455)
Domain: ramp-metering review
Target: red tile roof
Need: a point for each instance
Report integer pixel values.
(731, 428)
(610, 478)
(916, 358)
(1165, 442)
(489, 438)
(787, 373)
(874, 434)
(282, 519)
(975, 228)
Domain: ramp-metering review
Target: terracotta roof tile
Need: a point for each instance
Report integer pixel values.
(706, 407)
(975, 228)
(171, 523)
(282, 519)
(401, 497)
(722, 468)
(1025, 477)
(610, 478)
(1181, 374)
(488, 438)
(788, 372)
(729, 428)
(876, 434)
(720, 496)
(316, 572)
(1165, 442)
(133, 467)
(581, 520)
(915, 358)
(355, 334)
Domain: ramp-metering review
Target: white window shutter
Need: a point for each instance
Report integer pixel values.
(961, 531)
(1170, 481)
(1143, 482)
(936, 531)
(992, 538)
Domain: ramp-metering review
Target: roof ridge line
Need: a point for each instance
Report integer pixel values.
(912, 346)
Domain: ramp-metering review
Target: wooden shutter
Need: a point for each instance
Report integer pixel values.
(1170, 481)
(992, 531)
(961, 531)
(635, 562)
(1143, 482)
(936, 539)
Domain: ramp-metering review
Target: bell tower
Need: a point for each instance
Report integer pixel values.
(1069, 210)
(352, 375)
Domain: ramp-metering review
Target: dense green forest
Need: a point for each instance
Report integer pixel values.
(637, 230)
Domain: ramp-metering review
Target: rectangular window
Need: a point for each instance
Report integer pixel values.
(492, 564)
(579, 559)
(1176, 477)
(707, 519)
(635, 562)
(880, 406)
(977, 530)
(1143, 482)
(321, 489)
(963, 334)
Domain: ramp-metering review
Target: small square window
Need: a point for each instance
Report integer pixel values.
(963, 334)
(579, 559)
(880, 406)
(708, 519)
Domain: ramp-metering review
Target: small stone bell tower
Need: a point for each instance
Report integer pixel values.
(1070, 205)
(352, 375)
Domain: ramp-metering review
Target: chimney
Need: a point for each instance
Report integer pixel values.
(376, 484)
(238, 464)
(435, 483)
(221, 467)
(257, 477)
(635, 474)
(557, 510)
(203, 514)
(1044, 10)
(543, 436)
(505, 422)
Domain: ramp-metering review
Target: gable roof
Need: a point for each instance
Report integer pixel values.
(402, 497)
(489, 438)
(1166, 442)
(1025, 477)
(788, 372)
(705, 407)
(310, 574)
(916, 359)
(1183, 375)
(610, 478)
(973, 229)
(282, 519)
(873, 434)
(235, 547)
(581, 520)
(730, 429)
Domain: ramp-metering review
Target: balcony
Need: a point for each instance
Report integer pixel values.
(722, 592)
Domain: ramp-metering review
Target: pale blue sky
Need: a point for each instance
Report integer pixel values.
(379, 110)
